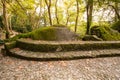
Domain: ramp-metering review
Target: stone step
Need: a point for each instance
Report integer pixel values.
(30, 55)
(53, 46)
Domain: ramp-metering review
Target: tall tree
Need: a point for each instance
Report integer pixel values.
(89, 9)
(116, 9)
(5, 20)
(76, 21)
(56, 12)
(48, 3)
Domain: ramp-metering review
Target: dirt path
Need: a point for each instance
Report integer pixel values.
(83, 69)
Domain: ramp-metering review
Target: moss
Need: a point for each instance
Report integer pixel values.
(46, 33)
(106, 33)
(52, 47)
(25, 35)
(1, 42)
(91, 38)
(10, 45)
(36, 47)
(116, 26)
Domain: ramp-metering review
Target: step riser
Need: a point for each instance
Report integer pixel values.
(60, 58)
(65, 47)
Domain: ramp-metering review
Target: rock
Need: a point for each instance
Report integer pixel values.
(64, 34)
(105, 33)
(91, 38)
(95, 31)
(59, 49)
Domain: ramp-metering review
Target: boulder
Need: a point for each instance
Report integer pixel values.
(105, 33)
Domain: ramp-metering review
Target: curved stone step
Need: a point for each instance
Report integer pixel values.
(53, 46)
(29, 55)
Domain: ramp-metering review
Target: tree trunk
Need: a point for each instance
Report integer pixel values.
(49, 10)
(67, 21)
(44, 17)
(56, 13)
(49, 13)
(89, 14)
(5, 19)
(68, 16)
(10, 24)
(116, 12)
(76, 22)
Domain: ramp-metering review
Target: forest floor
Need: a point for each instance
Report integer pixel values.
(81, 69)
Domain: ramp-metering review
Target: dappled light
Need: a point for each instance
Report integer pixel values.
(59, 39)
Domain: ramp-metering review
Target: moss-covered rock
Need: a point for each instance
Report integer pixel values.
(45, 33)
(10, 45)
(116, 26)
(106, 33)
(91, 38)
(48, 33)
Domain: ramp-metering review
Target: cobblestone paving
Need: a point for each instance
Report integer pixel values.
(82, 69)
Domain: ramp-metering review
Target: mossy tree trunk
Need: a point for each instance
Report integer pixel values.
(89, 8)
(5, 20)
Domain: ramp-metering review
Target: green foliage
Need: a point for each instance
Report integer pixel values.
(106, 33)
(116, 26)
(20, 29)
(80, 29)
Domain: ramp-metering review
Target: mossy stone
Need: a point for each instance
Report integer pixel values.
(106, 33)
(10, 45)
(46, 33)
(91, 38)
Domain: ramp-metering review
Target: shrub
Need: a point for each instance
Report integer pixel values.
(20, 29)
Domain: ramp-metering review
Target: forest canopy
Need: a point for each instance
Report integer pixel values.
(78, 15)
